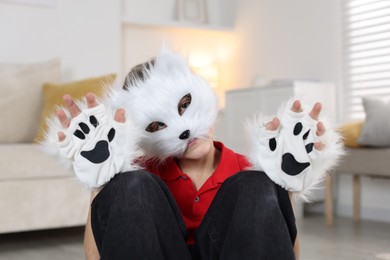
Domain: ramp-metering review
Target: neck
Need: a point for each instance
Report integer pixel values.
(207, 161)
(199, 170)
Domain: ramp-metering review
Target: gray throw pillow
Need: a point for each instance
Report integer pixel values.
(376, 128)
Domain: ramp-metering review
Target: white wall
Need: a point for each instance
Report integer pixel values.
(289, 39)
(85, 34)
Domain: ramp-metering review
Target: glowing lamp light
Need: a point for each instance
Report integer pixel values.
(206, 67)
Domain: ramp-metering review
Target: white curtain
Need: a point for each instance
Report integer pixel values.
(367, 52)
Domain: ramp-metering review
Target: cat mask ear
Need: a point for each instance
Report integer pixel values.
(169, 62)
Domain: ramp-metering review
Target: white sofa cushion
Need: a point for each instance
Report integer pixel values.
(33, 204)
(21, 98)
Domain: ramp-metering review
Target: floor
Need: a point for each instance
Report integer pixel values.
(344, 241)
(369, 240)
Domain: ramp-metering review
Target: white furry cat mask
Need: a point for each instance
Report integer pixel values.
(170, 105)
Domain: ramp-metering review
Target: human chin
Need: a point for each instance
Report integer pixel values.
(197, 149)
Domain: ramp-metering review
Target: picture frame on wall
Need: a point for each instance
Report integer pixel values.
(192, 11)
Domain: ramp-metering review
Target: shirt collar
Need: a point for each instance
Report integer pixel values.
(227, 166)
(169, 170)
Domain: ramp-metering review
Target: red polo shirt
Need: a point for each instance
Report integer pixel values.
(194, 204)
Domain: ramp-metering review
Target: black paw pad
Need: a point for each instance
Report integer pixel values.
(100, 152)
(306, 135)
(291, 166)
(111, 134)
(309, 147)
(93, 121)
(298, 128)
(79, 134)
(272, 144)
(84, 127)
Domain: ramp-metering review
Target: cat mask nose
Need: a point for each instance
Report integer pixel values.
(184, 135)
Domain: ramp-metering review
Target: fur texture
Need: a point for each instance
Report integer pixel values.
(156, 99)
(318, 163)
(120, 146)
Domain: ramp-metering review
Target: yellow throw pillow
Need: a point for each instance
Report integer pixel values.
(351, 132)
(53, 93)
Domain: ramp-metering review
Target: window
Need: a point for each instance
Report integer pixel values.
(367, 53)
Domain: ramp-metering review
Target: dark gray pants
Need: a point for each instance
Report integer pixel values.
(136, 217)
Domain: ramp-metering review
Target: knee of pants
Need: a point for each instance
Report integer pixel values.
(127, 185)
(253, 184)
(251, 179)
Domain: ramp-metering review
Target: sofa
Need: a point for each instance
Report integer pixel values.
(36, 190)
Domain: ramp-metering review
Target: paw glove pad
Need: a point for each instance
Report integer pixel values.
(288, 156)
(97, 145)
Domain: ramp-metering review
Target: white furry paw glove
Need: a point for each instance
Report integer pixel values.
(288, 155)
(98, 146)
